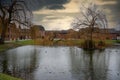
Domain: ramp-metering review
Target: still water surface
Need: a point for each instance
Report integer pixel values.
(61, 63)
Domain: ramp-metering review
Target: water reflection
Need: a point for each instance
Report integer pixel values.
(19, 62)
(88, 65)
(61, 63)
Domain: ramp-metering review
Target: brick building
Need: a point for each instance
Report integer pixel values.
(114, 34)
(17, 33)
(37, 31)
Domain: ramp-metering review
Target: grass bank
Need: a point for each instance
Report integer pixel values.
(78, 42)
(24, 42)
(7, 77)
(14, 44)
(110, 42)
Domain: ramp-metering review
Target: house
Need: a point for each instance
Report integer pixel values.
(118, 35)
(62, 34)
(97, 33)
(17, 33)
(24, 34)
(12, 32)
(114, 34)
(37, 31)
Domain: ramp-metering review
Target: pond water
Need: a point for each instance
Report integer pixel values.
(61, 63)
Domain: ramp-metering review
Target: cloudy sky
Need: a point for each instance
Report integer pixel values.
(58, 14)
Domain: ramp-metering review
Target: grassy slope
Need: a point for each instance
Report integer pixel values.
(14, 44)
(7, 77)
(79, 42)
(26, 42)
(110, 42)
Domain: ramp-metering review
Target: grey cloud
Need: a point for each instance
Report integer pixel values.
(53, 18)
(50, 4)
(38, 4)
(56, 6)
(114, 9)
(40, 17)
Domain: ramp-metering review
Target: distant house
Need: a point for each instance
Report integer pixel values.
(42, 31)
(12, 32)
(17, 33)
(97, 33)
(37, 31)
(57, 34)
(62, 34)
(114, 34)
(118, 37)
(24, 33)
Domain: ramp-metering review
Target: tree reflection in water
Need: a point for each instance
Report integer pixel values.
(21, 63)
(88, 65)
(61, 63)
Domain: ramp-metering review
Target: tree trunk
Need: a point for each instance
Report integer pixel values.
(4, 29)
(91, 39)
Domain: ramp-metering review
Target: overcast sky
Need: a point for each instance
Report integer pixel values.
(58, 14)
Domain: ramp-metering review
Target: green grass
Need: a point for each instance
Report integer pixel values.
(68, 42)
(6, 47)
(26, 42)
(14, 44)
(118, 41)
(78, 42)
(2, 48)
(7, 77)
(110, 42)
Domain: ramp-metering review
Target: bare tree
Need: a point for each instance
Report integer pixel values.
(13, 11)
(91, 17)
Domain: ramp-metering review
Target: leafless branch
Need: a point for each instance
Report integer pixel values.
(91, 18)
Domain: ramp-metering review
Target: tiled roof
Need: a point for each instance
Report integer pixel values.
(40, 27)
(113, 31)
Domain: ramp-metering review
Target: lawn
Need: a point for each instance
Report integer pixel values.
(24, 42)
(78, 42)
(118, 41)
(14, 44)
(110, 42)
(7, 77)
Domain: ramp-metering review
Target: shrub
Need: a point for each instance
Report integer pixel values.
(118, 41)
(88, 44)
(101, 43)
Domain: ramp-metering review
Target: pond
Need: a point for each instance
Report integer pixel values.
(61, 63)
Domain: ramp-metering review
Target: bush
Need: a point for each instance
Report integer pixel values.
(118, 41)
(101, 43)
(88, 44)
